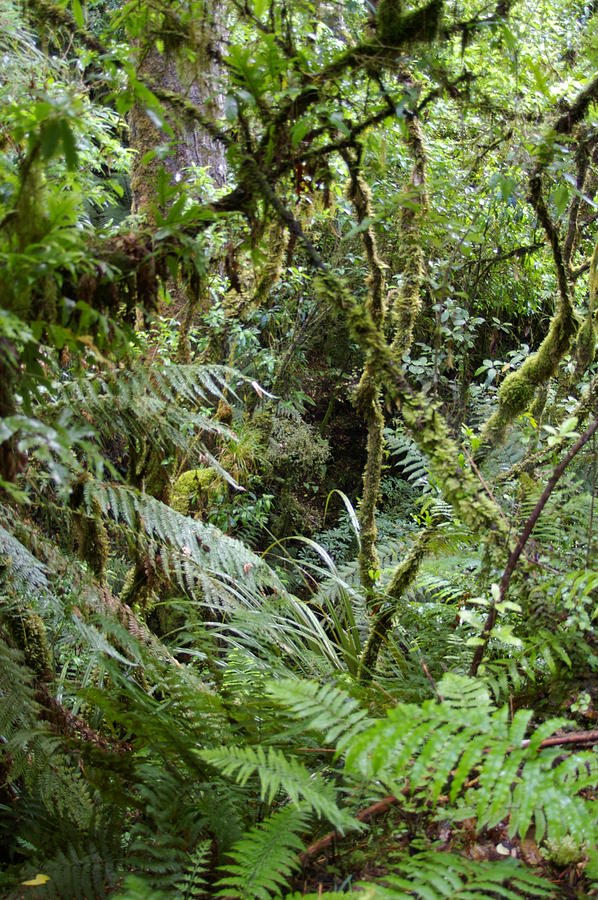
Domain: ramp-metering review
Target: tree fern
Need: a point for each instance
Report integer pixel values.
(277, 773)
(161, 401)
(265, 856)
(193, 554)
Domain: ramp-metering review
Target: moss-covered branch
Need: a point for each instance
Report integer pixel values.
(406, 303)
(518, 389)
(402, 578)
(368, 392)
(582, 161)
(585, 344)
(427, 425)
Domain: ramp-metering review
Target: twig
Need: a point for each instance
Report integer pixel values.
(523, 539)
(560, 740)
(439, 696)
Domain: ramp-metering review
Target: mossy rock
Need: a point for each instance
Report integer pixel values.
(194, 490)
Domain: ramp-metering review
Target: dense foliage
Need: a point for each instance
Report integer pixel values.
(298, 414)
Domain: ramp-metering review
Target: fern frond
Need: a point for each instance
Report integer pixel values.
(278, 773)
(193, 884)
(411, 462)
(323, 708)
(431, 745)
(74, 872)
(265, 856)
(20, 567)
(432, 876)
(193, 554)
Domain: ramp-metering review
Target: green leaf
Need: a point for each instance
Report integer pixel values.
(560, 198)
(78, 13)
(299, 130)
(260, 7)
(50, 138)
(69, 144)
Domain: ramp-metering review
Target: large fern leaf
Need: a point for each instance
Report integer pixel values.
(437, 744)
(431, 876)
(279, 773)
(264, 858)
(322, 708)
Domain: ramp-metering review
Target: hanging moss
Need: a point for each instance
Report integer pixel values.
(518, 389)
(360, 195)
(142, 587)
(271, 271)
(585, 345)
(405, 304)
(369, 562)
(368, 392)
(459, 486)
(423, 419)
(539, 404)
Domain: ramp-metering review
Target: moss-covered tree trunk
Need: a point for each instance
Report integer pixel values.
(192, 71)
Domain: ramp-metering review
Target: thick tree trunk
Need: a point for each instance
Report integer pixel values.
(199, 81)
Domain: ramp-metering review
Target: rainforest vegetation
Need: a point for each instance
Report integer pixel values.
(298, 454)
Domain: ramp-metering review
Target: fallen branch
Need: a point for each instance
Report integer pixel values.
(364, 815)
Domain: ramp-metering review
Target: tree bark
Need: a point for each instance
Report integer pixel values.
(198, 81)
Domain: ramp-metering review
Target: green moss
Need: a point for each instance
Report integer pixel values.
(141, 588)
(194, 490)
(423, 419)
(518, 389)
(565, 850)
(369, 562)
(405, 304)
(368, 391)
(585, 345)
(402, 577)
(359, 193)
(90, 533)
(269, 276)
(539, 404)
(145, 137)
(459, 486)
(29, 635)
